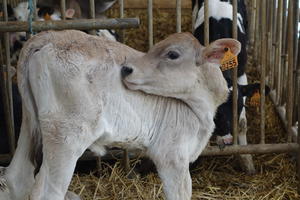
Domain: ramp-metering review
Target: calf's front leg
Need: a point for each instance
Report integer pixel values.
(174, 173)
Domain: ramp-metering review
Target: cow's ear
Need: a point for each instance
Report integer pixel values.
(249, 90)
(214, 53)
(70, 13)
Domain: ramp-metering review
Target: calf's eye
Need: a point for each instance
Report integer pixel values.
(173, 55)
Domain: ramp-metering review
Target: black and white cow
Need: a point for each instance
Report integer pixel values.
(220, 26)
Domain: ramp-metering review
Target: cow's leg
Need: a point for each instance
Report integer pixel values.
(63, 144)
(18, 176)
(246, 159)
(174, 173)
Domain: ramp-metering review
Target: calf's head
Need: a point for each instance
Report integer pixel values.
(178, 66)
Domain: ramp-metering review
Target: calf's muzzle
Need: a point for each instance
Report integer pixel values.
(125, 71)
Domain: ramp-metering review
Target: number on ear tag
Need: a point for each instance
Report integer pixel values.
(229, 60)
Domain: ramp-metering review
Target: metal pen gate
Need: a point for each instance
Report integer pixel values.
(273, 33)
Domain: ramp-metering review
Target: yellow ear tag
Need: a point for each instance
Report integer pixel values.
(229, 60)
(255, 99)
(47, 17)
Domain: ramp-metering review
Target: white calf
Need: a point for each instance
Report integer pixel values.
(74, 99)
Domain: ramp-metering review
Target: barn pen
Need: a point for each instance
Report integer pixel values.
(274, 60)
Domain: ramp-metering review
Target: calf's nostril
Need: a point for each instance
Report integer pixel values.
(125, 71)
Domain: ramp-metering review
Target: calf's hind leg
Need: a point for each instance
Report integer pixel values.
(62, 146)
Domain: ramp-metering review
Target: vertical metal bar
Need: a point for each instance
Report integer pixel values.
(298, 136)
(34, 9)
(178, 16)
(278, 61)
(63, 9)
(252, 23)
(121, 32)
(283, 89)
(150, 23)
(296, 57)
(8, 94)
(270, 46)
(92, 14)
(263, 70)
(284, 25)
(126, 163)
(206, 27)
(273, 45)
(257, 31)
(92, 9)
(234, 76)
(206, 23)
(290, 47)
(194, 15)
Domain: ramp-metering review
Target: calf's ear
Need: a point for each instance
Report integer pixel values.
(214, 53)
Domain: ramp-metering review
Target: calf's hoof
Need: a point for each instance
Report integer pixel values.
(72, 196)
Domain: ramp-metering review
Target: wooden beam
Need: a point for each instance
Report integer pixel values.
(82, 24)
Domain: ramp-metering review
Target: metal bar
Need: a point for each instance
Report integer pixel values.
(178, 16)
(82, 24)
(150, 23)
(283, 76)
(63, 9)
(92, 14)
(211, 151)
(278, 50)
(121, 33)
(126, 163)
(290, 77)
(263, 71)
(206, 23)
(252, 23)
(257, 30)
(282, 97)
(252, 149)
(270, 46)
(273, 64)
(194, 15)
(35, 15)
(234, 78)
(7, 93)
(298, 135)
(296, 57)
